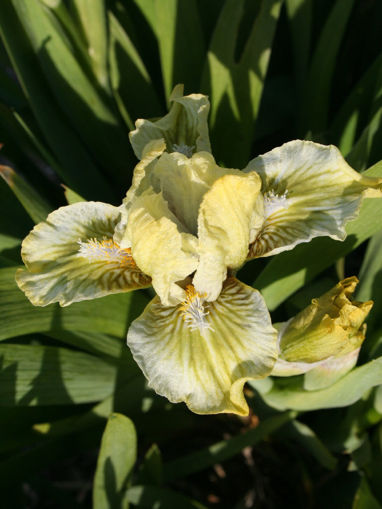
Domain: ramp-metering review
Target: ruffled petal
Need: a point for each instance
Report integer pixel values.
(332, 325)
(71, 257)
(229, 218)
(184, 182)
(203, 353)
(309, 191)
(159, 247)
(184, 128)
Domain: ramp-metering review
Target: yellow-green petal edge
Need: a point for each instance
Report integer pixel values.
(206, 370)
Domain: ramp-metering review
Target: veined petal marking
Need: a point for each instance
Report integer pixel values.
(60, 269)
(107, 251)
(206, 371)
(273, 202)
(193, 310)
(184, 149)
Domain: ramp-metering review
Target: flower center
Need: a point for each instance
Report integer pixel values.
(183, 149)
(107, 251)
(273, 202)
(193, 311)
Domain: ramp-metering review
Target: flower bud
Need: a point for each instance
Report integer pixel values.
(331, 326)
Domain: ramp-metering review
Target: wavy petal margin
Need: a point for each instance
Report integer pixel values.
(184, 181)
(184, 128)
(206, 368)
(71, 257)
(309, 191)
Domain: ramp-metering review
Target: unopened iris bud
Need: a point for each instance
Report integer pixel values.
(331, 325)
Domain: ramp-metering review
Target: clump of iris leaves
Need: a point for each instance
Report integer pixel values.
(74, 75)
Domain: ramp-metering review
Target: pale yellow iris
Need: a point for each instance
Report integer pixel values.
(186, 226)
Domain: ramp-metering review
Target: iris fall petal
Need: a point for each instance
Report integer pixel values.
(71, 257)
(309, 191)
(206, 363)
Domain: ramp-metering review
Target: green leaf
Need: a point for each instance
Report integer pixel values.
(92, 18)
(115, 463)
(8, 242)
(236, 87)
(33, 203)
(109, 315)
(370, 279)
(87, 110)
(289, 393)
(178, 31)
(378, 399)
(301, 433)
(364, 498)
(318, 87)
(152, 497)
(362, 455)
(289, 271)
(131, 83)
(44, 375)
(11, 231)
(92, 342)
(71, 196)
(371, 136)
(151, 471)
(300, 14)
(346, 122)
(33, 133)
(50, 118)
(223, 450)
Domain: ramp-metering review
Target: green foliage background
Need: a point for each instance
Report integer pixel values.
(74, 76)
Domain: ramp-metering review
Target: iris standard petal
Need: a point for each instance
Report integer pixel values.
(159, 247)
(309, 191)
(228, 219)
(184, 181)
(71, 257)
(184, 128)
(203, 353)
(140, 183)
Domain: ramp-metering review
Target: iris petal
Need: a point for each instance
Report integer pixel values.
(184, 182)
(184, 128)
(206, 366)
(309, 191)
(71, 257)
(159, 247)
(228, 218)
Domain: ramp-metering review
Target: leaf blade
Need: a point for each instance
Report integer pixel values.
(118, 454)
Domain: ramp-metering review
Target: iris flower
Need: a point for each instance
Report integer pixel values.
(185, 227)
